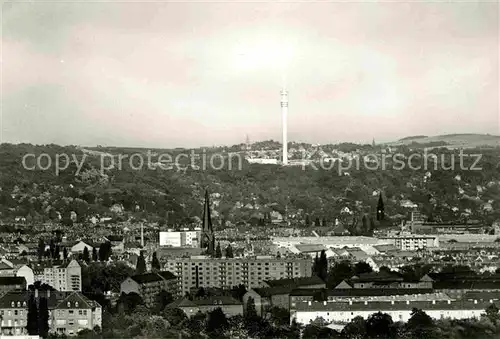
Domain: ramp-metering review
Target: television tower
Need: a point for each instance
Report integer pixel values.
(284, 117)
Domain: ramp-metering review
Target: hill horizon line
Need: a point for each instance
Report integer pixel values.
(452, 137)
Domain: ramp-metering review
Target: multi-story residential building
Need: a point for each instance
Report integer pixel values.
(12, 284)
(149, 285)
(64, 277)
(69, 312)
(413, 242)
(202, 271)
(342, 312)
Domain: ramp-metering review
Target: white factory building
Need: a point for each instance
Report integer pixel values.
(182, 238)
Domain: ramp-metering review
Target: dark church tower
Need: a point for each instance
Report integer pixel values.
(380, 208)
(207, 233)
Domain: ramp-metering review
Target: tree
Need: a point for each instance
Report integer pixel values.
(218, 251)
(307, 221)
(140, 267)
(366, 226)
(129, 302)
(37, 285)
(94, 254)
(52, 248)
(216, 323)
(420, 325)
(339, 272)
(237, 292)
(32, 321)
(315, 331)
(279, 316)
(102, 252)
(163, 299)
(65, 253)
(43, 317)
(362, 267)
(321, 295)
(251, 312)
(105, 251)
(41, 249)
(491, 313)
(86, 255)
(379, 325)
(323, 222)
(323, 266)
(196, 323)
(200, 293)
(380, 208)
(175, 316)
(355, 329)
(317, 222)
(372, 226)
(315, 266)
(155, 263)
(229, 251)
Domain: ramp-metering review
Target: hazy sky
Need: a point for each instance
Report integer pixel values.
(190, 74)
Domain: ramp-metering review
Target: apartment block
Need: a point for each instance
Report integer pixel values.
(202, 271)
(149, 285)
(64, 277)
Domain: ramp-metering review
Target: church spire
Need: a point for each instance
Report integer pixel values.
(207, 233)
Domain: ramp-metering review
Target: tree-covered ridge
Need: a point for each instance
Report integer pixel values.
(250, 193)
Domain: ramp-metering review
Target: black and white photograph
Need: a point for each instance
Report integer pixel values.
(267, 169)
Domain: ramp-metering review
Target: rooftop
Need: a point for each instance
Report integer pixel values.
(313, 306)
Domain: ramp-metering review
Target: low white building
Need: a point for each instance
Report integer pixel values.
(342, 312)
(413, 242)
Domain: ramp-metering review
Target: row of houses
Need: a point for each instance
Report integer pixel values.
(69, 312)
